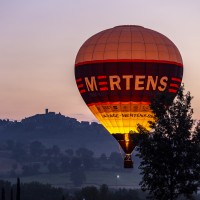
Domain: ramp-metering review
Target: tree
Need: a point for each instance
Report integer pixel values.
(104, 192)
(77, 177)
(75, 163)
(116, 158)
(56, 150)
(39, 191)
(69, 152)
(3, 194)
(11, 193)
(86, 156)
(30, 169)
(65, 164)
(5, 189)
(18, 189)
(122, 194)
(53, 167)
(36, 149)
(89, 193)
(103, 157)
(19, 152)
(196, 143)
(83, 152)
(169, 156)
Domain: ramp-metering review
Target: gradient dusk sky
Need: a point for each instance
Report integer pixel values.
(39, 41)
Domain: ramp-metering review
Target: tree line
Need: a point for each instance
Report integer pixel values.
(35, 158)
(39, 191)
(35, 190)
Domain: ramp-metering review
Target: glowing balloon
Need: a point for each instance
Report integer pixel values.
(119, 70)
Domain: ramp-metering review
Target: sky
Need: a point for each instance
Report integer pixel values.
(39, 41)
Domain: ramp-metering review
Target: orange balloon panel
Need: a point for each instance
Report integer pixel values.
(128, 42)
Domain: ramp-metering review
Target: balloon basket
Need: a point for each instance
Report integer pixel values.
(128, 163)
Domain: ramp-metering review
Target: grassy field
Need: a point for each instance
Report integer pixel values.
(125, 179)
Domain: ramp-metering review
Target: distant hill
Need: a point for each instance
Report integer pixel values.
(54, 128)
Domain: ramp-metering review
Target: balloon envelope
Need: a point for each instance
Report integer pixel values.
(120, 70)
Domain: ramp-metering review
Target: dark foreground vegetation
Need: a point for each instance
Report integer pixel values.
(38, 191)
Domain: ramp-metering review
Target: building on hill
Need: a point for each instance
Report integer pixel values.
(49, 120)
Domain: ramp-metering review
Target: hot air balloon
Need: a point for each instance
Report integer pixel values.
(118, 71)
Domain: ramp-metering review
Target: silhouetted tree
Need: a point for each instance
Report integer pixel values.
(122, 194)
(169, 157)
(19, 152)
(78, 177)
(36, 150)
(88, 193)
(39, 191)
(11, 193)
(75, 163)
(3, 194)
(18, 190)
(5, 189)
(30, 169)
(31, 191)
(196, 143)
(53, 167)
(69, 152)
(103, 157)
(104, 192)
(86, 156)
(65, 164)
(56, 150)
(116, 158)
(83, 152)
(49, 153)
